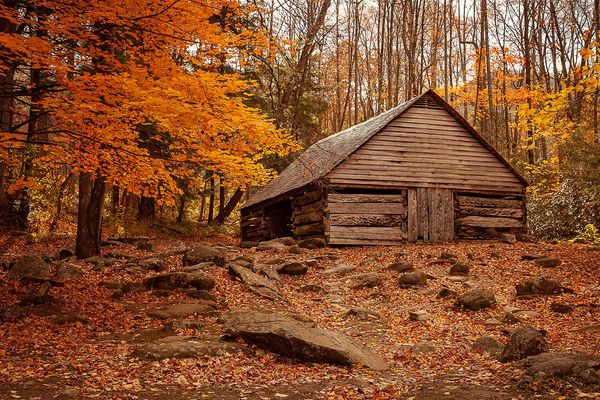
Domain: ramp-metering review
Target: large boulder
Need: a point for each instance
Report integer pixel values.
(525, 342)
(30, 267)
(180, 280)
(298, 339)
(368, 280)
(487, 344)
(182, 310)
(459, 269)
(312, 243)
(579, 366)
(203, 253)
(401, 266)
(476, 299)
(413, 279)
(541, 285)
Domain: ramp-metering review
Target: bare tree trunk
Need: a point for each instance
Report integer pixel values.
(89, 215)
(211, 202)
(231, 204)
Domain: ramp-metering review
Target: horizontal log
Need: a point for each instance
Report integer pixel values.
(251, 221)
(367, 208)
(366, 198)
(307, 218)
(308, 229)
(490, 222)
(458, 181)
(465, 211)
(363, 242)
(307, 198)
(367, 220)
(308, 208)
(488, 202)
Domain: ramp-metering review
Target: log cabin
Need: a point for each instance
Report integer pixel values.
(417, 172)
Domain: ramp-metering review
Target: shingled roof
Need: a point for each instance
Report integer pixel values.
(323, 156)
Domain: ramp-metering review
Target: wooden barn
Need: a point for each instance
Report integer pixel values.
(416, 172)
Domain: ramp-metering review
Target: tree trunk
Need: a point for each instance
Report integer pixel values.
(181, 209)
(231, 204)
(146, 209)
(211, 201)
(89, 215)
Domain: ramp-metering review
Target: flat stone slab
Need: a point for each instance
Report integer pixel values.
(182, 310)
(583, 367)
(258, 284)
(299, 339)
(185, 347)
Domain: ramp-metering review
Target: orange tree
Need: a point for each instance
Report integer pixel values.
(100, 72)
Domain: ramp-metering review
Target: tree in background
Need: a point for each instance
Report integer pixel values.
(88, 76)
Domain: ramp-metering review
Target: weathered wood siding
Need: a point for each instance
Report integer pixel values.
(253, 225)
(479, 217)
(425, 147)
(430, 215)
(307, 214)
(366, 219)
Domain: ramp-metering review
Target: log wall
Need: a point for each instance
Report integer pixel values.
(307, 214)
(426, 147)
(253, 225)
(366, 219)
(479, 217)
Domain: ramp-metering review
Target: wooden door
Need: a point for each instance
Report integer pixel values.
(430, 215)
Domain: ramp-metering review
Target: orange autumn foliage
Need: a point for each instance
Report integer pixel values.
(138, 92)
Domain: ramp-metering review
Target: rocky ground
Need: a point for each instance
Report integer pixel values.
(186, 319)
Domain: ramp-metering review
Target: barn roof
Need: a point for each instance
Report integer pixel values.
(323, 156)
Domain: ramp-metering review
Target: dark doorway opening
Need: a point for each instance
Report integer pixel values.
(279, 219)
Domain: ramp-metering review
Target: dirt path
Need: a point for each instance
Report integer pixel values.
(92, 357)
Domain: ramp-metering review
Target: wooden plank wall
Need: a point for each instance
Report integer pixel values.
(479, 217)
(253, 226)
(430, 215)
(366, 219)
(425, 147)
(307, 214)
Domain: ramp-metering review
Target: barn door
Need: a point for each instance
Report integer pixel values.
(430, 215)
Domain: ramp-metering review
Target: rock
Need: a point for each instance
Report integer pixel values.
(361, 313)
(578, 366)
(67, 270)
(541, 285)
(64, 253)
(446, 292)
(203, 266)
(459, 269)
(144, 246)
(268, 272)
(547, 262)
(202, 253)
(487, 344)
(419, 316)
(298, 339)
(183, 310)
(401, 266)
(180, 280)
(133, 240)
(312, 243)
(271, 245)
(178, 324)
(369, 280)
(492, 322)
(185, 347)
(241, 263)
(339, 269)
(561, 308)
(530, 257)
(248, 244)
(523, 343)
(312, 288)
(422, 347)
(153, 264)
(509, 238)
(200, 294)
(446, 255)
(65, 319)
(275, 261)
(38, 295)
(514, 315)
(286, 240)
(295, 249)
(292, 268)
(312, 262)
(527, 238)
(411, 279)
(126, 288)
(440, 390)
(30, 267)
(476, 299)
(258, 284)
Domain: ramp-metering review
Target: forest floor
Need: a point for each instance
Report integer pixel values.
(80, 344)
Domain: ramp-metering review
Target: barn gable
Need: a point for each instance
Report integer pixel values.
(427, 146)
